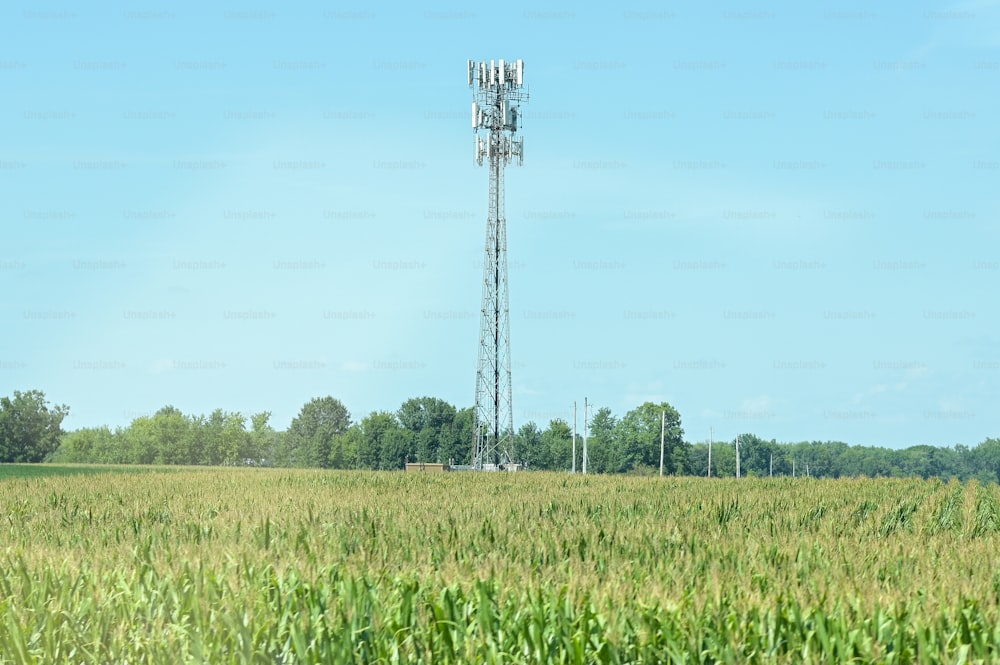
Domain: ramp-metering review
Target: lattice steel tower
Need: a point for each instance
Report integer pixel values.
(498, 88)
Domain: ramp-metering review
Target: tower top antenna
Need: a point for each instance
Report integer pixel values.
(498, 90)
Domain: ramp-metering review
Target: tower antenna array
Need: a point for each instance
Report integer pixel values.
(498, 89)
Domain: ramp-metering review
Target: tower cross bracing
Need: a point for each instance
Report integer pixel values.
(498, 91)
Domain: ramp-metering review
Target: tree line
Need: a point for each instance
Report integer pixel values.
(428, 429)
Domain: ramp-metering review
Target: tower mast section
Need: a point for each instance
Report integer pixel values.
(498, 90)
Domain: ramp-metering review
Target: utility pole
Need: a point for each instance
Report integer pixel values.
(574, 437)
(585, 436)
(709, 452)
(663, 421)
(737, 455)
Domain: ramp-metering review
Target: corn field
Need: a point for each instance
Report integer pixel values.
(269, 566)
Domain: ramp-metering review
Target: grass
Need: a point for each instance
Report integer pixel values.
(252, 565)
(10, 471)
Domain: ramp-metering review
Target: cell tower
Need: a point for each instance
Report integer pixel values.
(498, 88)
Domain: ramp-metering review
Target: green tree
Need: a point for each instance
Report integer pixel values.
(30, 429)
(344, 449)
(557, 443)
(83, 446)
(723, 459)
(212, 428)
(380, 442)
(171, 438)
(311, 434)
(397, 449)
(639, 439)
(138, 442)
(528, 444)
(262, 439)
(111, 449)
(430, 420)
(985, 461)
(456, 441)
(234, 441)
(929, 462)
(755, 455)
(601, 443)
(809, 459)
(698, 458)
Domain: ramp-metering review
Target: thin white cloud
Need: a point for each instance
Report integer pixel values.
(871, 391)
(161, 365)
(761, 404)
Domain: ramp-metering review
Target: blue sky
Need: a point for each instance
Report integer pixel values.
(781, 218)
